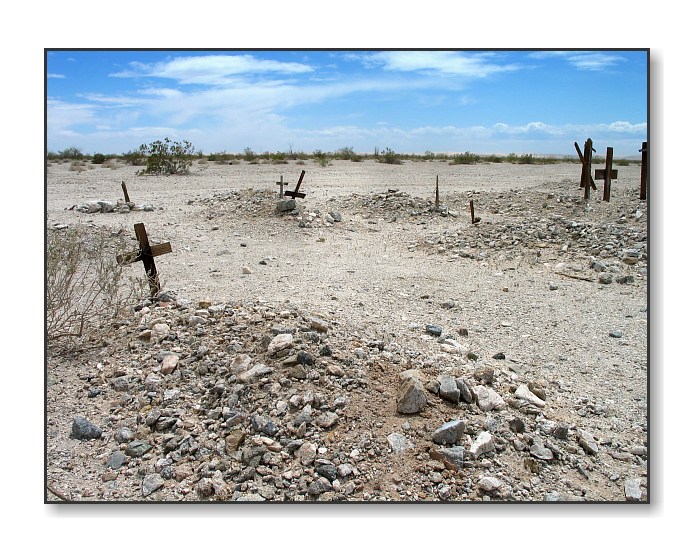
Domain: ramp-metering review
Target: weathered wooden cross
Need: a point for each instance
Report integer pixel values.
(607, 174)
(146, 254)
(586, 181)
(125, 192)
(281, 184)
(296, 193)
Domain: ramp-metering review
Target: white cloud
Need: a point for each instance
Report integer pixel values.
(55, 76)
(473, 65)
(211, 70)
(583, 60)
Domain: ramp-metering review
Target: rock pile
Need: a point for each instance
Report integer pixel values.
(256, 402)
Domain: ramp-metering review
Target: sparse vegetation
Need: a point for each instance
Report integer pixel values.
(86, 290)
(99, 158)
(390, 157)
(465, 158)
(321, 157)
(167, 157)
(249, 155)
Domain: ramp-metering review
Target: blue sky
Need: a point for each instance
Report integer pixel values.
(410, 101)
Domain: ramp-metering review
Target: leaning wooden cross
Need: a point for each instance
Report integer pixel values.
(296, 193)
(585, 159)
(146, 254)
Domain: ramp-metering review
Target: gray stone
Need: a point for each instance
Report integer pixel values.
(484, 443)
(524, 394)
(328, 471)
(399, 442)
(454, 458)
(254, 373)
(487, 399)
(489, 484)
(251, 454)
(336, 216)
(448, 389)
(434, 330)
(541, 452)
(605, 278)
(280, 342)
(137, 448)
(411, 397)
(285, 205)
(306, 453)
(116, 460)
(327, 420)
(615, 334)
(151, 483)
(449, 433)
(322, 485)
(465, 393)
(304, 416)
(587, 442)
(84, 429)
(633, 490)
(159, 332)
(123, 435)
(263, 424)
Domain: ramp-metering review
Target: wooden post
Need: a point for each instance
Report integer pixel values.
(644, 173)
(581, 159)
(125, 192)
(146, 254)
(436, 195)
(607, 177)
(586, 168)
(472, 213)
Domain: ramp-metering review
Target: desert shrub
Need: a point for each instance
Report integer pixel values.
(99, 158)
(249, 155)
(278, 158)
(77, 166)
(71, 153)
(134, 158)
(465, 158)
(428, 156)
(526, 159)
(167, 157)
(321, 157)
(390, 157)
(86, 290)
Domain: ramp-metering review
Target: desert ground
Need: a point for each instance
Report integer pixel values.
(363, 346)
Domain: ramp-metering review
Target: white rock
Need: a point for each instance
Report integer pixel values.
(523, 392)
(488, 399)
(484, 443)
(280, 342)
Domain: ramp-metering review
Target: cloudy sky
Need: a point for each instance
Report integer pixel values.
(410, 101)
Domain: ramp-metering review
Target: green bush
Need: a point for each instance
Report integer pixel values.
(466, 158)
(167, 157)
(321, 157)
(134, 158)
(390, 157)
(98, 158)
(71, 153)
(249, 155)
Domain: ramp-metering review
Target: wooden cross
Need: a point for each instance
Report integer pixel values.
(281, 184)
(607, 174)
(296, 193)
(146, 254)
(586, 181)
(125, 192)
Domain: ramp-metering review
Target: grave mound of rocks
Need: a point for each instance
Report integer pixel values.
(198, 401)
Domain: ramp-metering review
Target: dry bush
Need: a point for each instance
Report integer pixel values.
(86, 290)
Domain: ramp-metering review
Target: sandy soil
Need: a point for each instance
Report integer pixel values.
(522, 282)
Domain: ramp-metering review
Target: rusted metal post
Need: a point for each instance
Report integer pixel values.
(644, 173)
(296, 193)
(125, 192)
(436, 195)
